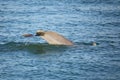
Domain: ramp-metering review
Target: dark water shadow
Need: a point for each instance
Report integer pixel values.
(91, 43)
(45, 48)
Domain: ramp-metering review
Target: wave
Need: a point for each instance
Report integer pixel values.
(41, 47)
(31, 47)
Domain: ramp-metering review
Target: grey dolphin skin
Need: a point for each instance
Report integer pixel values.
(53, 38)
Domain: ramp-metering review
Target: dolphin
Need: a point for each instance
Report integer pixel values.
(53, 38)
(27, 35)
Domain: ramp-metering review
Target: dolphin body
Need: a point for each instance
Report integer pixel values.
(53, 38)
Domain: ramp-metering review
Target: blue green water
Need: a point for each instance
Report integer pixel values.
(81, 21)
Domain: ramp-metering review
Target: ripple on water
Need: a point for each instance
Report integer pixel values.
(81, 21)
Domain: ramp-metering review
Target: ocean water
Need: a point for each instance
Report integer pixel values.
(81, 21)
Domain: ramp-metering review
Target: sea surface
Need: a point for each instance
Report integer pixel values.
(84, 22)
